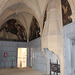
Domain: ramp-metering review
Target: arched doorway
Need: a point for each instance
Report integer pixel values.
(22, 58)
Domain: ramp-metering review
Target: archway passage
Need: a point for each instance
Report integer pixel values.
(13, 30)
(22, 57)
(66, 12)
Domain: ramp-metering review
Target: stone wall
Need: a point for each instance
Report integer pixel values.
(69, 36)
(73, 57)
(35, 58)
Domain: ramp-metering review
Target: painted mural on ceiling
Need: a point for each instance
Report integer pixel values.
(15, 28)
(66, 12)
(34, 29)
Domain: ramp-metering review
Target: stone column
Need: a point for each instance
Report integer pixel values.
(52, 37)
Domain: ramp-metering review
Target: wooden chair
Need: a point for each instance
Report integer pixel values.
(54, 67)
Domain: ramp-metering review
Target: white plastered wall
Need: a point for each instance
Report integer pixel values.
(69, 36)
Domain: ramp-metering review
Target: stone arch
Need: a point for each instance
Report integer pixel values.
(29, 10)
(27, 30)
(45, 14)
(14, 27)
(9, 4)
(7, 19)
(44, 18)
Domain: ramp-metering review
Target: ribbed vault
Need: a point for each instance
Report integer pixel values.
(20, 9)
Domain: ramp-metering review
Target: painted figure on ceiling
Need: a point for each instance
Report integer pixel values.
(34, 29)
(14, 27)
(66, 12)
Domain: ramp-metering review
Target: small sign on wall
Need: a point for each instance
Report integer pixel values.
(12, 57)
(5, 54)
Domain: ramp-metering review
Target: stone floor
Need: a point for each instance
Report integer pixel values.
(19, 71)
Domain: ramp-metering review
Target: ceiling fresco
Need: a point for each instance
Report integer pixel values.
(34, 29)
(66, 12)
(15, 28)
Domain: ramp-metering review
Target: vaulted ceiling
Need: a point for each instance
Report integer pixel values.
(25, 10)
(34, 7)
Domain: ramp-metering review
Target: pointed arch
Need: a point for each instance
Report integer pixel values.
(14, 27)
(29, 9)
